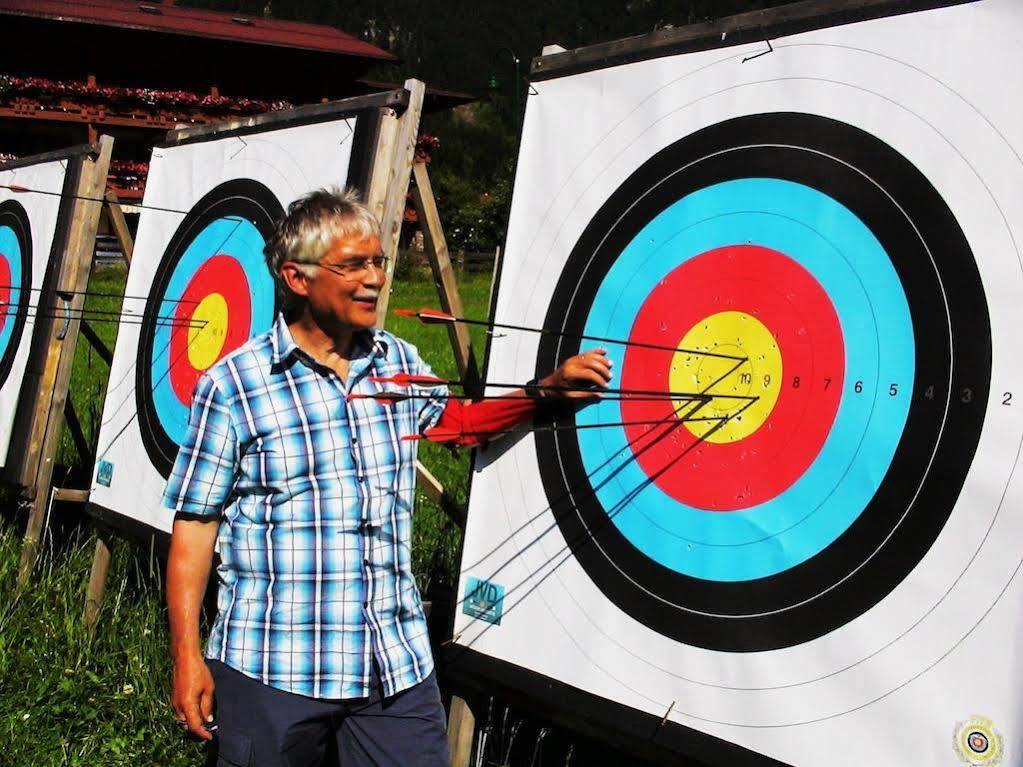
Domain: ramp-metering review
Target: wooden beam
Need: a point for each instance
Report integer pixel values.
(70, 495)
(97, 579)
(116, 218)
(57, 154)
(461, 728)
(72, 280)
(444, 278)
(97, 343)
(380, 172)
(434, 490)
(766, 24)
(398, 177)
(74, 426)
(304, 115)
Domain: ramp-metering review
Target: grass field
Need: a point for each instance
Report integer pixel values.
(70, 699)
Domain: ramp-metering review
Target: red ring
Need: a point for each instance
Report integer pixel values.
(790, 302)
(224, 275)
(5, 290)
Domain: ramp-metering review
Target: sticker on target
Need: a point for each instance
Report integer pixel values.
(977, 742)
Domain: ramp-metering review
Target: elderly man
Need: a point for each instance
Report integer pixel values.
(320, 644)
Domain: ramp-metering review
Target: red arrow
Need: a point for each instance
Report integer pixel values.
(408, 379)
(384, 397)
(426, 316)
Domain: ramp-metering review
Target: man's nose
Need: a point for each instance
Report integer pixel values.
(374, 277)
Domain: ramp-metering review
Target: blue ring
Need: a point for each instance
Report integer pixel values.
(11, 249)
(233, 236)
(834, 245)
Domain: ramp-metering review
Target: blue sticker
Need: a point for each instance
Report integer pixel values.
(483, 600)
(105, 473)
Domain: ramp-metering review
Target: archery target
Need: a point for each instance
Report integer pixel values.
(198, 288)
(15, 281)
(212, 292)
(827, 235)
(28, 222)
(801, 255)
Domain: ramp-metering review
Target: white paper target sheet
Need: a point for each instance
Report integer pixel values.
(792, 533)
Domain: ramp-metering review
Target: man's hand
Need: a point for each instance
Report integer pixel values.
(192, 695)
(582, 377)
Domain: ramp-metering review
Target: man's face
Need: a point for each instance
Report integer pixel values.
(338, 301)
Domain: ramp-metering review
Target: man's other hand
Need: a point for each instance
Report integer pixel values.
(192, 696)
(582, 377)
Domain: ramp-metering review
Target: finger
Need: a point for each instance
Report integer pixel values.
(602, 365)
(193, 721)
(206, 705)
(592, 376)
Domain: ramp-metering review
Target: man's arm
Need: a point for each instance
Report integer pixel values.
(200, 486)
(581, 379)
(188, 570)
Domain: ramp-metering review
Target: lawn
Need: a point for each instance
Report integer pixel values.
(68, 698)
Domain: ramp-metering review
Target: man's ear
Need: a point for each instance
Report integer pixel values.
(294, 278)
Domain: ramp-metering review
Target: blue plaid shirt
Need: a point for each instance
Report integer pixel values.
(314, 493)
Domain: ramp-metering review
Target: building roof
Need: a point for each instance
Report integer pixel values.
(159, 17)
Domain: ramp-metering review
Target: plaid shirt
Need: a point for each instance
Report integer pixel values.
(315, 495)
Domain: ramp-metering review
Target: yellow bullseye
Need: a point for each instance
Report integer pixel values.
(207, 332)
(739, 335)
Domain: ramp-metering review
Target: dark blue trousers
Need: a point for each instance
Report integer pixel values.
(261, 726)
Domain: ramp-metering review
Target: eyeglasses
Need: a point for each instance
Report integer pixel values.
(357, 270)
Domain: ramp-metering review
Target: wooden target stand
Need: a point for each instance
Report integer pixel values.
(44, 392)
(388, 186)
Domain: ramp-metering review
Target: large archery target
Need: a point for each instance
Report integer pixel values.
(198, 288)
(212, 292)
(854, 513)
(15, 281)
(812, 597)
(28, 222)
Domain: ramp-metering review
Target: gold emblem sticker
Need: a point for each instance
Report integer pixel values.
(977, 742)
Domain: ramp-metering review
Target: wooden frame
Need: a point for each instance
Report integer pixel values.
(44, 392)
(723, 33)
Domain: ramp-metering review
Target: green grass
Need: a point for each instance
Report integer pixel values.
(68, 698)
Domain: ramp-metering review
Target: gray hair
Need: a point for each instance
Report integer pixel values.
(313, 223)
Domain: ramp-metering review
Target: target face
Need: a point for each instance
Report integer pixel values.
(15, 281)
(211, 293)
(823, 404)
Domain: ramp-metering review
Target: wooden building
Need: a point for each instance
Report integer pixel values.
(71, 70)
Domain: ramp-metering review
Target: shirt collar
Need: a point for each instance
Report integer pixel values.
(371, 343)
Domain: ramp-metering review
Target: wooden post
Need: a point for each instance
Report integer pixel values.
(97, 579)
(461, 727)
(444, 276)
(398, 177)
(104, 542)
(48, 418)
(116, 218)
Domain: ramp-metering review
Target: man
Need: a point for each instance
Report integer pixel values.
(320, 634)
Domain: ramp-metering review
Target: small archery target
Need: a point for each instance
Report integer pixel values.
(211, 293)
(790, 298)
(15, 281)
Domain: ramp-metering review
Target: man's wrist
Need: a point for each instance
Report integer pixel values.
(534, 389)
